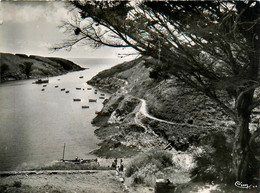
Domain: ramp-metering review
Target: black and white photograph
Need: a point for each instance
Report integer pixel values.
(138, 96)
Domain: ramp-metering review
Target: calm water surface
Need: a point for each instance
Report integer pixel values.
(35, 124)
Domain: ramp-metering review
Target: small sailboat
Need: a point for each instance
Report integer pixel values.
(76, 160)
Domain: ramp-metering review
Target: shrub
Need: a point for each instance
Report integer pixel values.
(4, 68)
(28, 68)
(17, 184)
(138, 179)
(160, 159)
(215, 162)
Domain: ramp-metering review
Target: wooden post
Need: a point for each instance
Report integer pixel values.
(63, 151)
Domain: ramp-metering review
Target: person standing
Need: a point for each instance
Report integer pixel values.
(121, 167)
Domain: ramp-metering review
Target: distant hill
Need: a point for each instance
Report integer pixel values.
(21, 66)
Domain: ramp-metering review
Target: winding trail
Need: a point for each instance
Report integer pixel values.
(144, 112)
(139, 122)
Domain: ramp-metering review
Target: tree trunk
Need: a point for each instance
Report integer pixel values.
(241, 147)
(241, 150)
(241, 140)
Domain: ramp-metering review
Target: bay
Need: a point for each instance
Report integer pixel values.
(35, 124)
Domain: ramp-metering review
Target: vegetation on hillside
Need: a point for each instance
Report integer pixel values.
(21, 66)
(211, 46)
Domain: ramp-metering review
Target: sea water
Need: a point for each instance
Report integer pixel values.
(35, 123)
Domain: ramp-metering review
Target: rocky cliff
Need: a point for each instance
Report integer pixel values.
(145, 114)
(21, 66)
(160, 111)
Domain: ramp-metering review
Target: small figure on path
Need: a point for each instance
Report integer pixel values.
(117, 170)
(121, 167)
(114, 164)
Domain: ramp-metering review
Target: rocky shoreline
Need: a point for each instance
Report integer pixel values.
(156, 127)
(182, 122)
(144, 115)
(21, 66)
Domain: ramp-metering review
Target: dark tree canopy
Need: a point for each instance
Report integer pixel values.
(213, 46)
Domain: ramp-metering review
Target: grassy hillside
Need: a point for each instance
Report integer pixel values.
(21, 66)
(167, 99)
(177, 115)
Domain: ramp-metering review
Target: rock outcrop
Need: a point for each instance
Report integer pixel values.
(21, 66)
(192, 114)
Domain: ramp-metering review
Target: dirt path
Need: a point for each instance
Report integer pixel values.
(94, 182)
(143, 110)
(68, 181)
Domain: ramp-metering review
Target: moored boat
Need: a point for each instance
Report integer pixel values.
(80, 161)
(40, 81)
(85, 107)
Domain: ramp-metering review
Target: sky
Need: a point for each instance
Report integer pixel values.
(32, 27)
